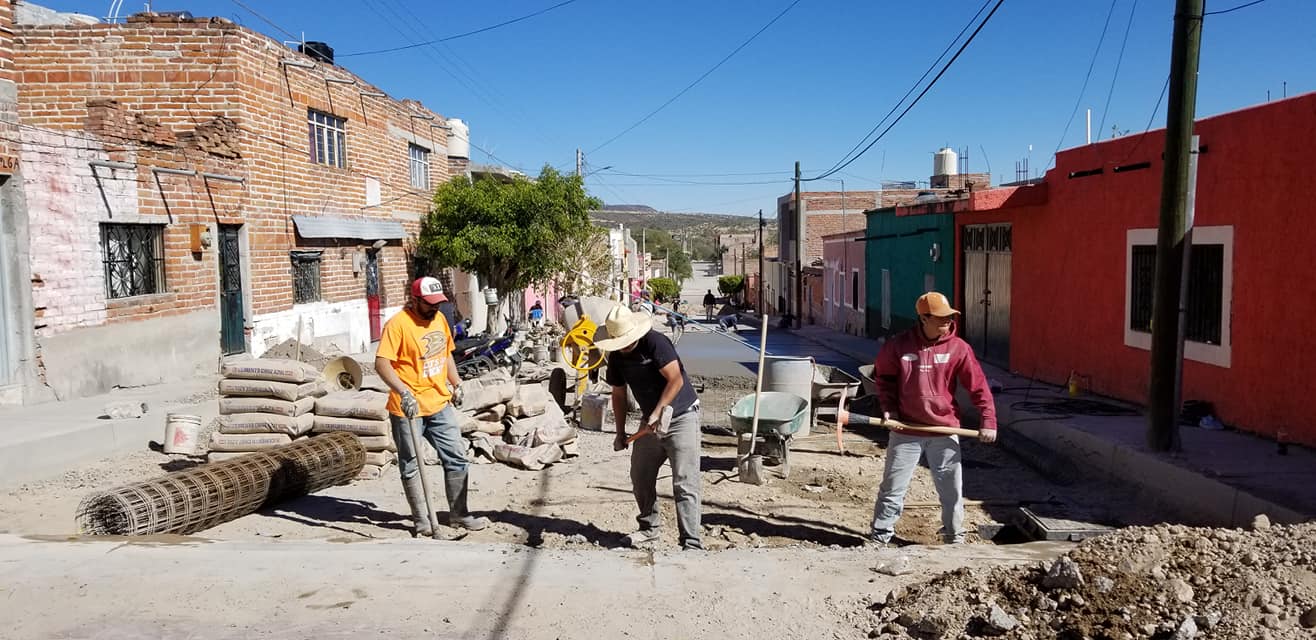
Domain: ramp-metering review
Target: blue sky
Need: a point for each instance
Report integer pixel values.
(807, 89)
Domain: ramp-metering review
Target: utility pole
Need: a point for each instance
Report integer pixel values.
(580, 163)
(1174, 233)
(799, 247)
(760, 298)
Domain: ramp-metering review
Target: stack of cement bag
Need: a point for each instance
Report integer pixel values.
(264, 403)
(365, 414)
(533, 427)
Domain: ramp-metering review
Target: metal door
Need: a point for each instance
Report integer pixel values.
(987, 256)
(373, 309)
(231, 318)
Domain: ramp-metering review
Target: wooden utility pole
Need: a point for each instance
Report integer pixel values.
(1174, 234)
(799, 248)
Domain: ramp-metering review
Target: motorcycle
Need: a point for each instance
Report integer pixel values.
(477, 355)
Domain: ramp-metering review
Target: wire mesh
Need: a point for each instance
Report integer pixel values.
(196, 499)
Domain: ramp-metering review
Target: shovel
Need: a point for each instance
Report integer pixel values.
(750, 466)
(424, 481)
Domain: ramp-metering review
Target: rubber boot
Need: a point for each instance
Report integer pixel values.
(459, 517)
(419, 512)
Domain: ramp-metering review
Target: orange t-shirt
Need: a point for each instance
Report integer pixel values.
(419, 350)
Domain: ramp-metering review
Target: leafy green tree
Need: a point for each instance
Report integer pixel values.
(661, 245)
(664, 288)
(730, 285)
(586, 263)
(509, 233)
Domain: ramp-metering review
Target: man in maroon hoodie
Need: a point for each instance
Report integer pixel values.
(916, 373)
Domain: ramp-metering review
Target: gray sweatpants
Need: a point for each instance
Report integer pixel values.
(902, 455)
(682, 448)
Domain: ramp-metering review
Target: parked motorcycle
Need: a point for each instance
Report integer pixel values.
(480, 354)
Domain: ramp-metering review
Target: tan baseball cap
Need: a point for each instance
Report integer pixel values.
(933, 303)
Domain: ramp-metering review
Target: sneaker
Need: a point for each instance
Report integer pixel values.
(642, 537)
(470, 523)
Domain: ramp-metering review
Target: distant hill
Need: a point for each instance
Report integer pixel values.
(637, 216)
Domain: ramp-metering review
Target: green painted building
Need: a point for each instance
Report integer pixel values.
(905, 257)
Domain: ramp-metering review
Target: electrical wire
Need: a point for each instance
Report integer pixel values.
(459, 35)
(267, 21)
(925, 91)
(1232, 9)
(696, 80)
(1150, 120)
(1088, 76)
(1118, 61)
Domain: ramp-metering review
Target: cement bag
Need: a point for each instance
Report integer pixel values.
(380, 458)
(230, 406)
(480, 449)
(329, 424)
(482, 393)
(378, 443)
(467, 422)
(370, 472)
(530, 458)
(492, 414)
(268, 389)
(560, 433)
(365, 405)
(523, 430)
(272, 369)
(530, 400)
(248, 441)
(489, 428)
(266, 423)
(217, 456)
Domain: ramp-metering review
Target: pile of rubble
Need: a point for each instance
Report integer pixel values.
(1169, 581)
(517, 424)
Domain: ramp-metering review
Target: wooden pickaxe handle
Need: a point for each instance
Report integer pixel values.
(845, 417)
(644, 431)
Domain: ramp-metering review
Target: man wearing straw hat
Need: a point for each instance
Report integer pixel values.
(415, 361)
(916, 373)
(645, 361)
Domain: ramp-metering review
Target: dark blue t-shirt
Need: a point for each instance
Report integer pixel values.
(640, 370)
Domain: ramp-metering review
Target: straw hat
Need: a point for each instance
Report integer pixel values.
(624, 328)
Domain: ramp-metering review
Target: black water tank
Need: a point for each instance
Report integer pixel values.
(318, 51)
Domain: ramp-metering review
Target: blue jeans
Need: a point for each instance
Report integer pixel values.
(902, 455)
(442, 431)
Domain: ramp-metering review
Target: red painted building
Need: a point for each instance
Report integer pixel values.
(1078, 256)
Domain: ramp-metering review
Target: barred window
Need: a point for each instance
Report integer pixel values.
(420, 166)
(328, 138)
(305, 276)
(1205, 286)
(134, 259)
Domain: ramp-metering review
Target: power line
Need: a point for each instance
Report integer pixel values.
(697, 80)
(1241, 6)
(267, 21)
(916, 84)
(1150, 120)
(459, 35)
(1091, 64)
(917, 98)
(1118, 60)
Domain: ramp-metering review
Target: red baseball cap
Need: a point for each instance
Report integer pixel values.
(429, 290)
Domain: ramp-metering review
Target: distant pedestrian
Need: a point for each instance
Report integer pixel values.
(709, 303)
(916, 374)
(645, 362)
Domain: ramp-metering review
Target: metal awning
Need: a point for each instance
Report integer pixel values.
(333, 227)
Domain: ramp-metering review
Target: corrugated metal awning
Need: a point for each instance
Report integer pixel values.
(332, 227)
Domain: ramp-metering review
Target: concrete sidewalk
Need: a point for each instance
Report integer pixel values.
(1221, 478)
(43, 440)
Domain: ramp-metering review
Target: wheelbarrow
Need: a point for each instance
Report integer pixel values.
(781, 415)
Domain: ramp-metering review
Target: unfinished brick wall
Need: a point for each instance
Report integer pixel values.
(7, 40)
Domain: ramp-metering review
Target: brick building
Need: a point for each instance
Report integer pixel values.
(196, 189)
(18, 371)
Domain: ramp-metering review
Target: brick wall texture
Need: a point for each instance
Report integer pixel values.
(208, 96)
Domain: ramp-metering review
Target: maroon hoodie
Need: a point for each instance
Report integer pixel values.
(916, 380)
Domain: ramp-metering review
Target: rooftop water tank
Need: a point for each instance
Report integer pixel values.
(459, 139)
(945, 162)
(318, 51)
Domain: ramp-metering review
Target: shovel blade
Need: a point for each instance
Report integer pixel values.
(750, 470)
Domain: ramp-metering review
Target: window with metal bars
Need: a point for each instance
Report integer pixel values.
(328, 138)
(419, 158)
(1205, 291)
(305, 276)
(133, 255)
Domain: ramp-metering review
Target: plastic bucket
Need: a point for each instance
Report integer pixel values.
(181, 433)
(791, 375)
(592, 408)
(540, 354)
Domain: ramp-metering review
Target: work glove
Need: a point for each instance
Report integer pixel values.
(457, 394)
(410, 407)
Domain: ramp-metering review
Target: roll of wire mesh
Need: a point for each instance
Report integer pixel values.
(211, 494)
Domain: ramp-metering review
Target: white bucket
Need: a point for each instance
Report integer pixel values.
(793, 375)
(181, 433)
(540, 353)
(593, 406)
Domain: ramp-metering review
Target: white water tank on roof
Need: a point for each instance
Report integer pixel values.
(459, 139)
(945, 162)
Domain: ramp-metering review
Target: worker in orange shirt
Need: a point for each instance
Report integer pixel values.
(415, 361)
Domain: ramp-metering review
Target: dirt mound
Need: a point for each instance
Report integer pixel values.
(1167, 581)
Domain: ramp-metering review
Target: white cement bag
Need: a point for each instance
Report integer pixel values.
(370, 472)
(480, 448)
(560, 433)
(231, 406)
(378, 443)
(330, 424)
(467, 422)
(247, 442)
(530, 458)
(490, 428)
(268, 389)
(522, 430)
(380, 458)
(274, 369)
(530, 400)
(492, 414)
(487, 391)
(364, 405)
(266, 423)
(218, 456)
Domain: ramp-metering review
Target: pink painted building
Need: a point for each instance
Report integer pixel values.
(843, 282)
